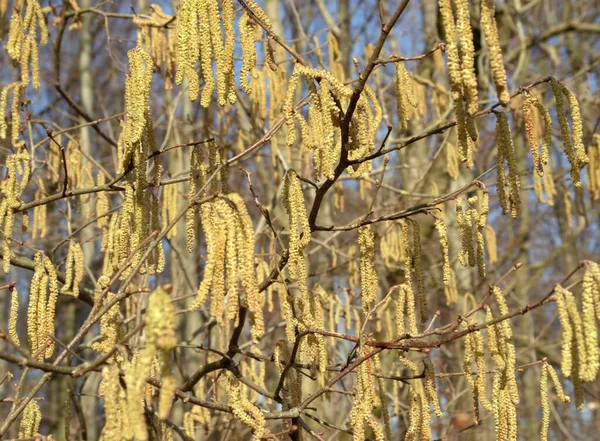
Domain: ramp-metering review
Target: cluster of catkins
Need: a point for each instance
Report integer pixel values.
(580, 356)
(230, 264)
(321, 131)
(200, 36)
(124, 406)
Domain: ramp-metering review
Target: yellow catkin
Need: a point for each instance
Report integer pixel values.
(400, 307)
(14, 313)
(30, 422)
(467, 52)
(410, 309)
(480, 228)
(247, 29)
(464, 134)
(116, 424)
(440, 226)
(506, 152)
(368, 275)
(581, 357)
(245, 242)
(293, 201)
(454, 68)
(557, 385)
(545, 403)
(110, 332)
(567, 331)
(405, 102)
(494, 337)
(244, 410)
(594, 167)
(465, 228)
(490, 31)
(413, 432)
(429, 385)
(573, 148)
(589, 326)
(50, 303)
(577, 123)
(532, 136)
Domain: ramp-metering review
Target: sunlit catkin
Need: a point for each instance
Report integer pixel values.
(573, 148)
(465, 229)
(545, 403)
(532, 136)
(589, 326)
(74, 269)
(480, 228)
(594, 167)
(405, 101)
(368, 275)
(14, 314)
(293, 201)
(467, 52)
(454, 68)
(490, 31)
(557, 385)
(244, 410)
(440, 226)
(247, 28)
(567, 331)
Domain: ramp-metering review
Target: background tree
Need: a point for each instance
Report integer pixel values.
(300, 219)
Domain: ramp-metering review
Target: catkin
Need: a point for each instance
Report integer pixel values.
(368, 275)
(467, 52)
(490, 31)
(589, 327)
(244, 410)
(452, 52)
(557, 385)
(573, 147)
(30, 423)
(440, 226)
(567, 331)
(594, 167)
(430, 392)
(14, 313)
(405, 101)
(506, 152)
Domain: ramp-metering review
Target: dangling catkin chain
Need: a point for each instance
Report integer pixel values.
(41, 308)
(440, 226)
(467, 51)
(506, 152)
(293, 201)
(573, 145)
(74, 269)
(244, 410)
(548, 369)
(22, 44)
(405, 96)
(368, 275)
(30, 423)
(230, 257)
(14, 313)
(490, 31)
